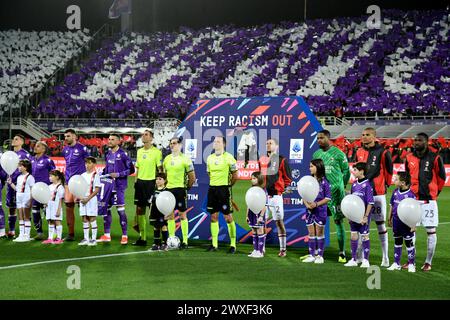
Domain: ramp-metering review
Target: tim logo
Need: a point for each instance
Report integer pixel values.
(191, 148)
(296, 149)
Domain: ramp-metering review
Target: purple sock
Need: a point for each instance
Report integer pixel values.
(2, 218)
(366, 248)
(261, 242)
(12, 223)
(320, 246)
(312, 246)
(411, 255)
(255, 242)
(107, 220)
(354, 246)
(397, 254)
(123, 220)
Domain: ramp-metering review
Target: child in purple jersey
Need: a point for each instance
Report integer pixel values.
(257, 221)
(317, 213)
(362, 188)
(402, 232)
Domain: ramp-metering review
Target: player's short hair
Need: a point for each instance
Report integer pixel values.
(162, 175)
(404, 177)
(371, 130)
(361, 166)
(326, 133)
(178, 139)
(149, 131)
(90, 159)
(223, 139)
(70, 131)
(115, 135)
(274, 140)
(26, 163)
(259, 176)
(320, 168)
(59, 175)
(423, 135)
(44, 144)
(21, 137)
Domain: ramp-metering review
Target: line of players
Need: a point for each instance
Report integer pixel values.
(425, 168)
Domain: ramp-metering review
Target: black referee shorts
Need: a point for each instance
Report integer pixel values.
(143, 191)
(219, 200)
(180, 198)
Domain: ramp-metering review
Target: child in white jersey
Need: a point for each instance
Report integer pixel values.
(23, 199)
(53, 210)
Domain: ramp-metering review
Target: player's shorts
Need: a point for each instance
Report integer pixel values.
(319, 218)
(430, 214)
(400, 229)
(37, 205)
(334, 205)
(23, 200)
(254, 222)
(157, 218)
(117, 198)
(89, 209)
(276, 208)
(219, 200)
(379, 209)
(361, 228)
(180, 197)
(50, 214)
(10, 197)
(68, 196)
(143, 191)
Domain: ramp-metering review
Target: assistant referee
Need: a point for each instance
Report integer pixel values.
(148, 163)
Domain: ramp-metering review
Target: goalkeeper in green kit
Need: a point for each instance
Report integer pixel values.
(337, 173)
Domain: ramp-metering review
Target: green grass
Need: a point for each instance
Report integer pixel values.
(196, 274)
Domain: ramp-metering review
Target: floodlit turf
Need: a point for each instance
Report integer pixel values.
(196, 274)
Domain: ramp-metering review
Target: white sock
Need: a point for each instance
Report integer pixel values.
(382, 234)
(27, 228)
(108, 234)
(51, 231)
(21, 228)
(94, 230)
(2, 232)
(359, 253)
(59, 232)
(282, 239)
(86, 230)
(431, 247)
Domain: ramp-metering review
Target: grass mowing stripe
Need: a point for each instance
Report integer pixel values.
(73, 259)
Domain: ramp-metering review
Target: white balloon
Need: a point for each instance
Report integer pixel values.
(410, 212)
(353, 208)
(308, 188)
(165, 202)
(78, 186)
(256, 199)
(9, 162)
(41, 192)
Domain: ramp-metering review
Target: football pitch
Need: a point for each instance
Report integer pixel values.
(111, 271)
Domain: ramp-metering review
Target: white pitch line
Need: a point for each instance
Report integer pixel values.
(72, 259)
(374, 229)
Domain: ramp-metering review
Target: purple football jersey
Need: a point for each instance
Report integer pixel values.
(74, 157)
(324, 193)
(41, 168)
(397, 197)
(23, 155)
(118, 162)
(364, 190)
(105, 194)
